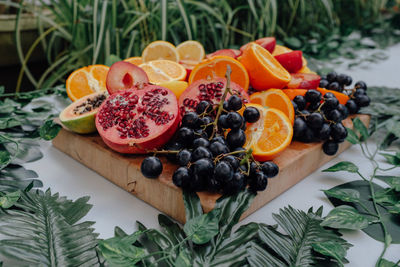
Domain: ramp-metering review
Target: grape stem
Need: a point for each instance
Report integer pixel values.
(221, 102)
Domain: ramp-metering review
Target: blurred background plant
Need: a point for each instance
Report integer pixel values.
(76, 33)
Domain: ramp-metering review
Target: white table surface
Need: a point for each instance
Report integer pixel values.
(112, 206)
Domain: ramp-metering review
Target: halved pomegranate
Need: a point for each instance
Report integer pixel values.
(209, 90)
(134, 121)
(304, 81)
(268, 43)
(123, 75)
(223, 52)
(291, 61)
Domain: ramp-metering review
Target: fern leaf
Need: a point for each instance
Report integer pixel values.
(43, 232)
(295, 247)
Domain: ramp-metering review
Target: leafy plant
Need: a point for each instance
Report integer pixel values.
(362, 204)
(79, 33)
(208, 240)
(43, 231)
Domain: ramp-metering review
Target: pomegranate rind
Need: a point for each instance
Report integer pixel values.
(82, 124)
(158, 134)
(193, 92)
(119, 71)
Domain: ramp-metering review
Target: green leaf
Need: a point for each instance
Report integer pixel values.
(360, 127)
(4, 157)
(49, 130)
(345, 217)
(202, 228)
(386, 196)
(392, 159)
(373, 230)
(9, 199)
(331, 249)
(192, 205)
(395, 209)
(15, 177)
(120, 251)
(352, 136)
(183, 259)
(386, 263)
(343, 166)
(392, 181)
(52, 240)
(347, 195)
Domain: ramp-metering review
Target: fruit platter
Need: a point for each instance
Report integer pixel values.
(176, 119)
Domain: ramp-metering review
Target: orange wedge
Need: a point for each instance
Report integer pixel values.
(86, 81)
(190, 50)
(264, 70)
(270, 135)
(160, 50)
(161, 70)
(134, 60)
(274, 98)
(216, 67)
(177, 87)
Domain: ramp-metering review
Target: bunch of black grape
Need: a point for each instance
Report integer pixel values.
(358, 94)
(209, 161)
(319, 118)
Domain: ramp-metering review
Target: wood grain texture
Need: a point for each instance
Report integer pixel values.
(295, 163)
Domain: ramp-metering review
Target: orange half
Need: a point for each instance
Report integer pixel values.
(216, 67)
(264, 70)
(160, 71)
(270, 135)
(274, 98)
(190, 50)
(86, 81)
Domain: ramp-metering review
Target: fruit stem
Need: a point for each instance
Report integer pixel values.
(163, 151)
(221, 102)
(219, 157)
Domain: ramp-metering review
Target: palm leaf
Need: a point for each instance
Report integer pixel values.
(43, 231)
(294, 248)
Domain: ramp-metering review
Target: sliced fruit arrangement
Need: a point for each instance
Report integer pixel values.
(221, 130)
(79, 116)
(86, 80)
(135, 121)
(161, 71)
(216, 67)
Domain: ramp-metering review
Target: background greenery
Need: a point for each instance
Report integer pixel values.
(80, 33)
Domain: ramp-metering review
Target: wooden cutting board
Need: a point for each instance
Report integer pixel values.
(295, 163)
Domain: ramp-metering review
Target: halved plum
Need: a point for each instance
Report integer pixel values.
(304, 81)
(123, 75)
(291, 61)
(208, 90)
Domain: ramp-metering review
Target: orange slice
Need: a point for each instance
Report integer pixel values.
(216, 67)
(270, 135)
(264, 70)
(86, 81)
(134, 60)
(160, 50)
(177, 87)
(274, 98)
(190, 50)
(161, 70)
